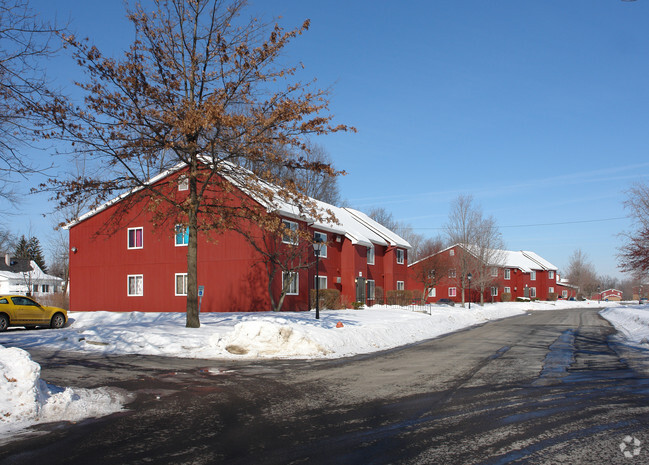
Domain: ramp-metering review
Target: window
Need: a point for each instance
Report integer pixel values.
(551, 290)
(494, 291)
(135, 238)
(371, 289)
(370, 255)
(183, 183)
(452, 252)
(45, 288)
(290, 282)
(135, 285)
(322, 237)
(4, 301)
(290, 232)
(494, 271)
(401, 256)
(321, 281)
(508, 273)
(551, 274)
(452, 291)
(532, 293)
(452, 273)
(432, 292)
(181, 283)
(34, 288)
(508, 290)
(401, 286)
(564, 294)
(533, 276)
(182, 235)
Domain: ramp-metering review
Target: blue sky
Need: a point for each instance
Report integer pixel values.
(540, 110)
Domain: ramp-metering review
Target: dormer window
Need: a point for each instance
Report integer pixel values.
(401, 256)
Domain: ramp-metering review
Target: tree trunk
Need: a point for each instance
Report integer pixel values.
(193, 319)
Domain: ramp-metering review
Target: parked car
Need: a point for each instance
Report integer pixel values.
(18, 310)
(446, 302)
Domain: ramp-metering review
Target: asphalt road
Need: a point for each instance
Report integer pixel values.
(545, 388)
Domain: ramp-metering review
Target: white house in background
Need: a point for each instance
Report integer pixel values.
(23, 276)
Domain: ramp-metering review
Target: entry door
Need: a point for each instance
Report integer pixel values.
(360, 290)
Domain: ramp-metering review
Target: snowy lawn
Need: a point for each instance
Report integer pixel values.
(25, 399)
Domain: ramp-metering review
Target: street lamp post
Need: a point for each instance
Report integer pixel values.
(317, 248)
(469, 276)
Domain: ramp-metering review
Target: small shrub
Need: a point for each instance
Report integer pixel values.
(522, 299)
(357, 305)
(329, 298)
(506, 297)
(552, 296)
(402, 298)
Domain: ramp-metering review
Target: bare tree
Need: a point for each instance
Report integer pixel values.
(488, 249)
(203, 89)
(634, 254)
(25, 41)
(318, 185)
(283, 254)
(432, 267)
(462, 229)
(581, 273)
(480, 241)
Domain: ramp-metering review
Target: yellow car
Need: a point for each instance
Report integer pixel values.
(18, 310)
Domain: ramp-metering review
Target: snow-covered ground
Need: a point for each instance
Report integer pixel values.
(631, 322)
(26, 399)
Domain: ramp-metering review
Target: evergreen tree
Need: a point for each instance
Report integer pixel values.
(31, 249)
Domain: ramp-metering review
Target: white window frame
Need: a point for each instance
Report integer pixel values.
(508, 274)
(532, 275)
(551, 290)
(452, 291)
(371, 289)
(564, 294)
(532, 293)
(323, 238)
(507, 290)
(551, 274)
(494, 271)
(128, 238)
(322, 283)
(401, 286)
(494, 291)
(184, 285)
(452, 273)
(183, 231)
(432, 292)
(295, 277)
(451, 252)
(45, 288)
(371, 255)
(292, 226)
(136, 278)
(401, 256)
(183, 182)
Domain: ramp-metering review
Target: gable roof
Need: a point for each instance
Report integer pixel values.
(359, 228)
(524, 260)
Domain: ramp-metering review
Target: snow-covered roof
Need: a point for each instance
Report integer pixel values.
(524, 260)
(34, 271)
(356, 226)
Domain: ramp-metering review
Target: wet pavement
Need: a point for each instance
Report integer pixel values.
(545, 388)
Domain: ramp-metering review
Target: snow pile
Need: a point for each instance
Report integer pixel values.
(631, 321)
(267, 334)
(25, 399)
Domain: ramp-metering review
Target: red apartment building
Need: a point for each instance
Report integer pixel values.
(136, 266)
(517, 274)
